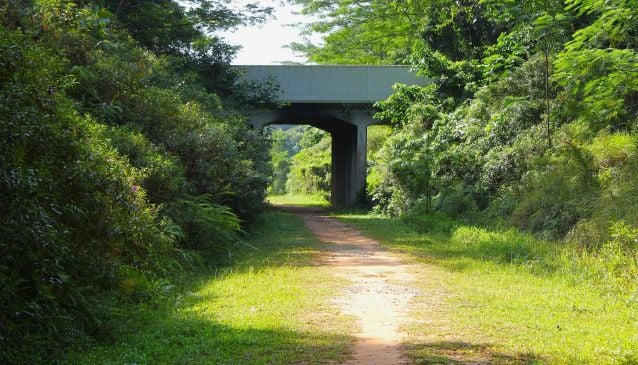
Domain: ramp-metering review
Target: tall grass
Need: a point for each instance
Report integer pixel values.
(494, 295)
(611, 266)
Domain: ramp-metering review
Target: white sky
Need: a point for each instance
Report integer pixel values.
(264, 44)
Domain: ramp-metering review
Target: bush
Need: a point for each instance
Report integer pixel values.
(209, 228)
(73, 218)
(455, 203)
(180, 126)
(162, 175)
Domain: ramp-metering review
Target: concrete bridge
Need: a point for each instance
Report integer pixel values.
(338, 100)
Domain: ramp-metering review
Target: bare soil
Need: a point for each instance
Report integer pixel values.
(380, 291)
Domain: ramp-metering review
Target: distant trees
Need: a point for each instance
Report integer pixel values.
(280, 159)
(301, 161)
(310, 166)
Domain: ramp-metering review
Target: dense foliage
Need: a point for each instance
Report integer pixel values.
(125, 160)
(531, 119)
(310, 166)
(301, 159)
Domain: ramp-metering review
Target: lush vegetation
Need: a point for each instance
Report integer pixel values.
(531, 120)
(300, 161)
(270, 305)
(504, 297)
(125, 160)
(512, 178)
(127, 165)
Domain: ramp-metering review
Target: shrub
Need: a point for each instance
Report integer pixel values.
(554, 195)
(455, 203)
(162, 175)
(209, 228)
(616, 169)
(614, 150)
(72, 215)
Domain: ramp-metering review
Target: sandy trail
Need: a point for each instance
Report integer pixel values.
(380, 291)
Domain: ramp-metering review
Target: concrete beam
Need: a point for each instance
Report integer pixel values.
(323, 116)
(333, 84)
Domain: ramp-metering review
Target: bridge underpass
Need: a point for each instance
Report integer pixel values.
(338, 100)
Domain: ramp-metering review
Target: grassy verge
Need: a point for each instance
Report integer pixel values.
(270, 307)
(503, 297)
(299, 200)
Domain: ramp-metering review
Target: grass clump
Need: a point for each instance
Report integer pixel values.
(429, 223)
(508, 246)
(299, 200)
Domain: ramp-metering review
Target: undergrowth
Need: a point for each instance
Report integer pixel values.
(611, 267)
(267, 305)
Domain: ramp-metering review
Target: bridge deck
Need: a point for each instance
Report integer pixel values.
(334, 84)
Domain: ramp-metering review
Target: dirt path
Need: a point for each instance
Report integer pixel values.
(380, 291)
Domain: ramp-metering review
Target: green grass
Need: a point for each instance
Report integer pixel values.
(271, 306)
(299, 200)
(504, 297)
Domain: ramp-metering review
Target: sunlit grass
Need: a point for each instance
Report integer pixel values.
(270, 307)
(485, 299)
(299, 200)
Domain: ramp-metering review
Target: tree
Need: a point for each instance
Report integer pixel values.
(280, 159)
(173, 27)
(599, 66)
(375, 32)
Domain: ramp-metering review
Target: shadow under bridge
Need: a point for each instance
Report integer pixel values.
(338, 100)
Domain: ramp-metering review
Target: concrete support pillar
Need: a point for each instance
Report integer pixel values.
(362, 162)
(348, 164)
